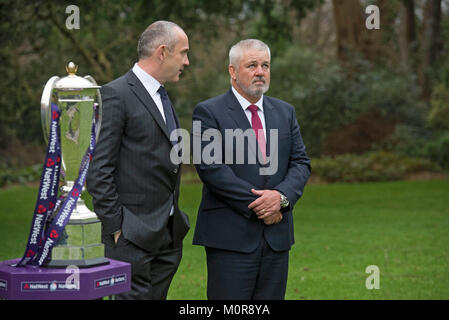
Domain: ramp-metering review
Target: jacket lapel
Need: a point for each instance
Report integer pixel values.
(236, 112)
(142, 94)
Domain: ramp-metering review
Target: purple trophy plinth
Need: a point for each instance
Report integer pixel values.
(71, 283)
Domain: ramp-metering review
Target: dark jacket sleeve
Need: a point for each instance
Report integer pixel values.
(299, 169)
(100, 179)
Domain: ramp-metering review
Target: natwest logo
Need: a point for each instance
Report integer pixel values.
(75, 193)
(30, 253)
(54, 234)
(50, 286)
(41, 209)
(50, 162)
(110, 281)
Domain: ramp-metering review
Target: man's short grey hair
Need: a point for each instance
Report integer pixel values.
(236, 51)
(158, 33)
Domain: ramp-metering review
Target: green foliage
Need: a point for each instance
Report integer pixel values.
(438, 150)
(438, 116)
(23, 175)
(408, 140)
(373, 166)
(36, 45)
(326, 96)
(273, 21)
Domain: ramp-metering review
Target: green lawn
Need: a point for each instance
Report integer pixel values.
(340, 229)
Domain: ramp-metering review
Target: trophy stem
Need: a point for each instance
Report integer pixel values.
(81, 213)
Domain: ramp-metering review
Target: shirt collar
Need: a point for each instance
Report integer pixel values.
(245, 103)
(150, 83)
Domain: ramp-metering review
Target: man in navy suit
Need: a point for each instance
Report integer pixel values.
(245, 218)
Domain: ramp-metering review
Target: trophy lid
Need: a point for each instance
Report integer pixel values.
(72, 81)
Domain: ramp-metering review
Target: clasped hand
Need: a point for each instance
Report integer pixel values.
(267, 206)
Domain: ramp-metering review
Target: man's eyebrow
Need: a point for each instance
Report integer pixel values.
(255, 61)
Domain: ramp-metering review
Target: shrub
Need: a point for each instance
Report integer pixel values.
(438, 150)
(372, 166)
(438, 116)
(328, 97)
(10, 175)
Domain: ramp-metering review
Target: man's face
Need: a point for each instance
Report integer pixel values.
(252, 75)
(176, 59)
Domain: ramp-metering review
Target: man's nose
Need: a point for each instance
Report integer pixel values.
(259, 71)
(186, 61)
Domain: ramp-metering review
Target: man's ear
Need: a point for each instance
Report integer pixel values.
(161, 52)
(232, 72)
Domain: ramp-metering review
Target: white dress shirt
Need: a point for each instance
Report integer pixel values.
(245, 104)
(152, 86)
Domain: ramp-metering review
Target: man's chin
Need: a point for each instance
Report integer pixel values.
(174, 79)
(257, 92)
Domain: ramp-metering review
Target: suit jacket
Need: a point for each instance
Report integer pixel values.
(131, 179)
(224, 220)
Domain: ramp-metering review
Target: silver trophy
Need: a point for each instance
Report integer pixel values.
(75, 96)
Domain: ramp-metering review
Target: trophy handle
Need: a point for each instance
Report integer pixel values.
(100, 107)
(46, 106)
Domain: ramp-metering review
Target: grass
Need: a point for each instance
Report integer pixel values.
(340, 229)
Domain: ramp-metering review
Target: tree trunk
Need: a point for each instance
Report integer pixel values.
(407, 32)
(430, 44)
(349, 23)
(353, 37)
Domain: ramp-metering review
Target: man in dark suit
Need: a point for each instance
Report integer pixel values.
(245, 218)
(135, 188)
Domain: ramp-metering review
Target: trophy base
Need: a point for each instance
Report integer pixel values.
(80, 244)
(78, 263)
(57, 284)
(65, 255)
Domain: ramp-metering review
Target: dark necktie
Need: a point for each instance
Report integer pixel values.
(168, 111)
(258, 129)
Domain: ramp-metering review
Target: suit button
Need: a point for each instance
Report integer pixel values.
(175, 171)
